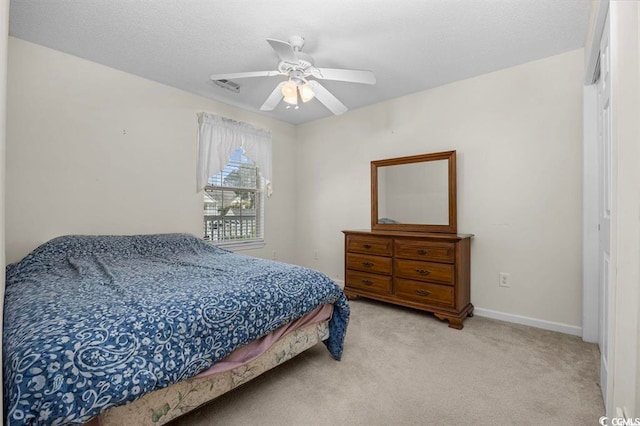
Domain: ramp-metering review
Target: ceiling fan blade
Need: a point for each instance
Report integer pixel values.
(274, 98)
(231, 76)
(353, 76)
(327, 99)
(284, 50)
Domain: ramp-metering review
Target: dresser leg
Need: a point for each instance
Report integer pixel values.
(351, 296)
(454, 322)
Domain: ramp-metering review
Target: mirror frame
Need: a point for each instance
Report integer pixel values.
(451, 227)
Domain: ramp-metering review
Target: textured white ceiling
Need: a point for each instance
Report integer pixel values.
(410, 45)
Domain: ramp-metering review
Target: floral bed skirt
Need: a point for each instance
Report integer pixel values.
(164, 405)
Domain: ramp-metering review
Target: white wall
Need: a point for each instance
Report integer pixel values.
(518, 136)
(92, 150)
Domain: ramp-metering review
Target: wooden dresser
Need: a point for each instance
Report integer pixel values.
(427, 271)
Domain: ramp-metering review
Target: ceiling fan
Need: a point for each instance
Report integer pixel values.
(299, 67)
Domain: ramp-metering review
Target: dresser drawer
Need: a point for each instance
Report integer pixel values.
(424, 292)
(425, 271)
(373, 245)
(425, 250)
(375, 264)
(373, 283)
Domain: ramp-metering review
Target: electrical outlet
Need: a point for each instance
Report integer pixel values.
(505, 279)
(274, 255)
(315, 255)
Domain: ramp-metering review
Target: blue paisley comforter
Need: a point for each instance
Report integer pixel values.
(94, 322)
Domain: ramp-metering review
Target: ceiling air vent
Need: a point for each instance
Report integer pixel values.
(227, 84)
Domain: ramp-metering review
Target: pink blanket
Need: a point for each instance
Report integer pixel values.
(256, 348)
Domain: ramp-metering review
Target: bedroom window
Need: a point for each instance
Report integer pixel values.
(233, 207)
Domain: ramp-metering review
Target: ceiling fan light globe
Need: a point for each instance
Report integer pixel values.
(291, 100)
(306, 92)
(289, 89)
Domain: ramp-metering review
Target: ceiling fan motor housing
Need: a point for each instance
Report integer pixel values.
(304, 65)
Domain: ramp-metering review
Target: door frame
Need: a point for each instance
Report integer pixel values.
(590, 293)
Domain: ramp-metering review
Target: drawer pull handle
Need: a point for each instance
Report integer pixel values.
(367, 264)
(367, 246)
(422, 251)
(367, 282)
(423, 292)
(423, 271)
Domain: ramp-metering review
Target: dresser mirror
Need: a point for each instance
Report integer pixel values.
(416, 193)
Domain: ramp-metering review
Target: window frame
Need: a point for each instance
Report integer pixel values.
(258, 190)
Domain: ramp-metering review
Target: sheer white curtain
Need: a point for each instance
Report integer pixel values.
(218, 137)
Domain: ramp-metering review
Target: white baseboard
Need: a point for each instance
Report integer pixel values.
(339, 282)
(532, 322)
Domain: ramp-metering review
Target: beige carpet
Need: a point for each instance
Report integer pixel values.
(404, 367)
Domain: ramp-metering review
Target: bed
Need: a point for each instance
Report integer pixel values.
(144, 328)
